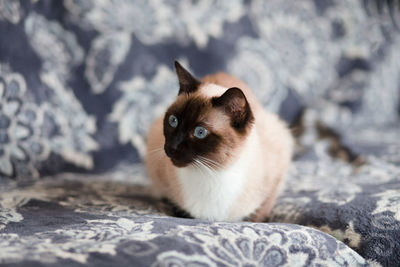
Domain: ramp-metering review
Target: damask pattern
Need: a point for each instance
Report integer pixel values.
(116, 219)
(81, 82)
(132, 111)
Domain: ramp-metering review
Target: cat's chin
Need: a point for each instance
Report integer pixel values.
(179, 164)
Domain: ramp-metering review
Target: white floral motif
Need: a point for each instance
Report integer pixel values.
(252, 64)
(296, 43)
(206, 18)
(96, 235)
(175, 258)
(381, 106)
(60, 53)
(236, 244)
(389, 201)
(113, 20)
(265, 245)
(10, 130)
(339, 195)
(8, 215)
(384, 221)
(101, 236)
(138, 248)
(10, 10)
(354, 21)
(132, 111)
(57, 47)
(151, 18)
(98, 195)
(155, 21)
(26, 128)
(106, 53)
(317, 176)
(19, 136)
(75, 141)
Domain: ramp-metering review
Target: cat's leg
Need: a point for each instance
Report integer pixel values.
(261, 214)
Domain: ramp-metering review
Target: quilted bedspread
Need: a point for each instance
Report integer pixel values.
(81, 81)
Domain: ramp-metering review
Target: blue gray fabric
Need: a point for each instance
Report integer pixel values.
(81, 81)
(91, 221)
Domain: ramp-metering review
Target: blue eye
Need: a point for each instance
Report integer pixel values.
(200, 132)
(173, 121)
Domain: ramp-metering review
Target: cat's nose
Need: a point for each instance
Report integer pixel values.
(174, 146)
(170, 150)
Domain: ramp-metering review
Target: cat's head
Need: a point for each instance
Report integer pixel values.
(197, 127)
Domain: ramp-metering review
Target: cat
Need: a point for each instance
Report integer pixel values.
(216, 153)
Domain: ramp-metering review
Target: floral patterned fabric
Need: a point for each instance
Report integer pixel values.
(81, 81)
(77, 220)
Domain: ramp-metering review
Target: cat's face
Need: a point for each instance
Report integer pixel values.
(197, 128)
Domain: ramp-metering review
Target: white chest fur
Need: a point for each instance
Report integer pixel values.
(211, 196)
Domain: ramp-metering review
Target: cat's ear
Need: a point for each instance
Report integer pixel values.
(187, 83)
(234, 103)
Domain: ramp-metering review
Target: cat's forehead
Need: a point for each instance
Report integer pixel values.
(195, 110)
(191, 108)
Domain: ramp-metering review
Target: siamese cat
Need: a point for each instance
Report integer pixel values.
(216, 153)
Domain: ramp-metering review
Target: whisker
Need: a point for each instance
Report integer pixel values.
(155, 150)
(207, 167)
(210, 165)
(203, 169)
(211, 162)
(199, 167)
(158, 153)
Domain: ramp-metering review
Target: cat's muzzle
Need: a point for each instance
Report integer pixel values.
(178, 158)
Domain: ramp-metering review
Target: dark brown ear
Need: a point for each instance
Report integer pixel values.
(234, 104)
(187, 83)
